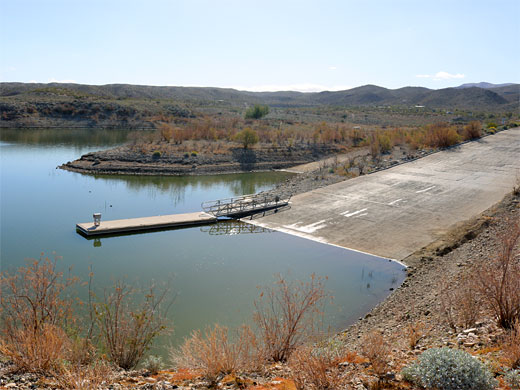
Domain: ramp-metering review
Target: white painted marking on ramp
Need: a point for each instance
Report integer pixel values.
(354, 213)
(308, 228)
(394, 202)
(426, 189)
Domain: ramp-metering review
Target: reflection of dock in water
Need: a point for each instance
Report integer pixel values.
(230, 228)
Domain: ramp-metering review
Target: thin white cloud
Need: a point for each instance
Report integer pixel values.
(333, 67)
(448, 76)
(303, 87)
(441, 76)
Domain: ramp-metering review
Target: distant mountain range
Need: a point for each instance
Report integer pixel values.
(484, 85)
(480, 96)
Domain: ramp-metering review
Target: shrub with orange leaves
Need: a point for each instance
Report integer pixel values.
(214, 353)
(34, 311)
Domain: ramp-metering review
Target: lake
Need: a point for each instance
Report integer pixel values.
(215, 269)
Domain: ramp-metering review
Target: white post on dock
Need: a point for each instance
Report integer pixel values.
(97, 219)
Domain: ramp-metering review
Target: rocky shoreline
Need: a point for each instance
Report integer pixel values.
(128, 160)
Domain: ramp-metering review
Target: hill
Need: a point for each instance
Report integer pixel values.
(142, 106)
(484, 85)
(469, 97)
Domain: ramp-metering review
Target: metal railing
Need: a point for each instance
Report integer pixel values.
(245, 205)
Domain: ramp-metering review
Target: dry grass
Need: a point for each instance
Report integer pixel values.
(376, 350)
(286, 315)
(511, 346)
(127, 330)
(461, 304)
(84, 377)
(315, 369)
(416, 331)
(499, 279)
(214, 353)
(38, 351)
(35, 310)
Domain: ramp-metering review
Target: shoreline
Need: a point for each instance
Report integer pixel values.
(203, 159)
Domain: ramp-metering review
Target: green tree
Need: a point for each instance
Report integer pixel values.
(247, 137)
(257, 111)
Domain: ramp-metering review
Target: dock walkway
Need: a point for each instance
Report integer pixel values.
(146, 223)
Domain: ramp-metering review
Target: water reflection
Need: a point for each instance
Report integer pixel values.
(229, 228)
(221, 228)
(68, 137)
(176, 187)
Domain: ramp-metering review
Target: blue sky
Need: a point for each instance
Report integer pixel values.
(261, 45)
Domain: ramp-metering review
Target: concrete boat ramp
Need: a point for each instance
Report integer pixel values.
(395, 212)
(146, 223)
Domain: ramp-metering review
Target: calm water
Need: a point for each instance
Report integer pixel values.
(215, 269)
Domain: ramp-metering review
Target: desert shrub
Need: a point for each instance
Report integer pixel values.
(449, 369)
(472, 130)
(511, 346)
(38, 351)
(35, 309)
(441, 135)
(286, 315)
(460, 304)
(214, 353)
(380, 143)
(385, 144)
(416, 332)
(247, 137)
(512, 379)
(315, 368)
(374, 146)
(153, 364)
(257, 111)
(499, 279)
(166, 131)
(376, 349)
(35, 295)
(128, 328)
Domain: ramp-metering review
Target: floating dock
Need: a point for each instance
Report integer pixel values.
(146, 223)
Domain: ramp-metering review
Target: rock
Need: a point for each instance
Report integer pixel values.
(470, 330)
